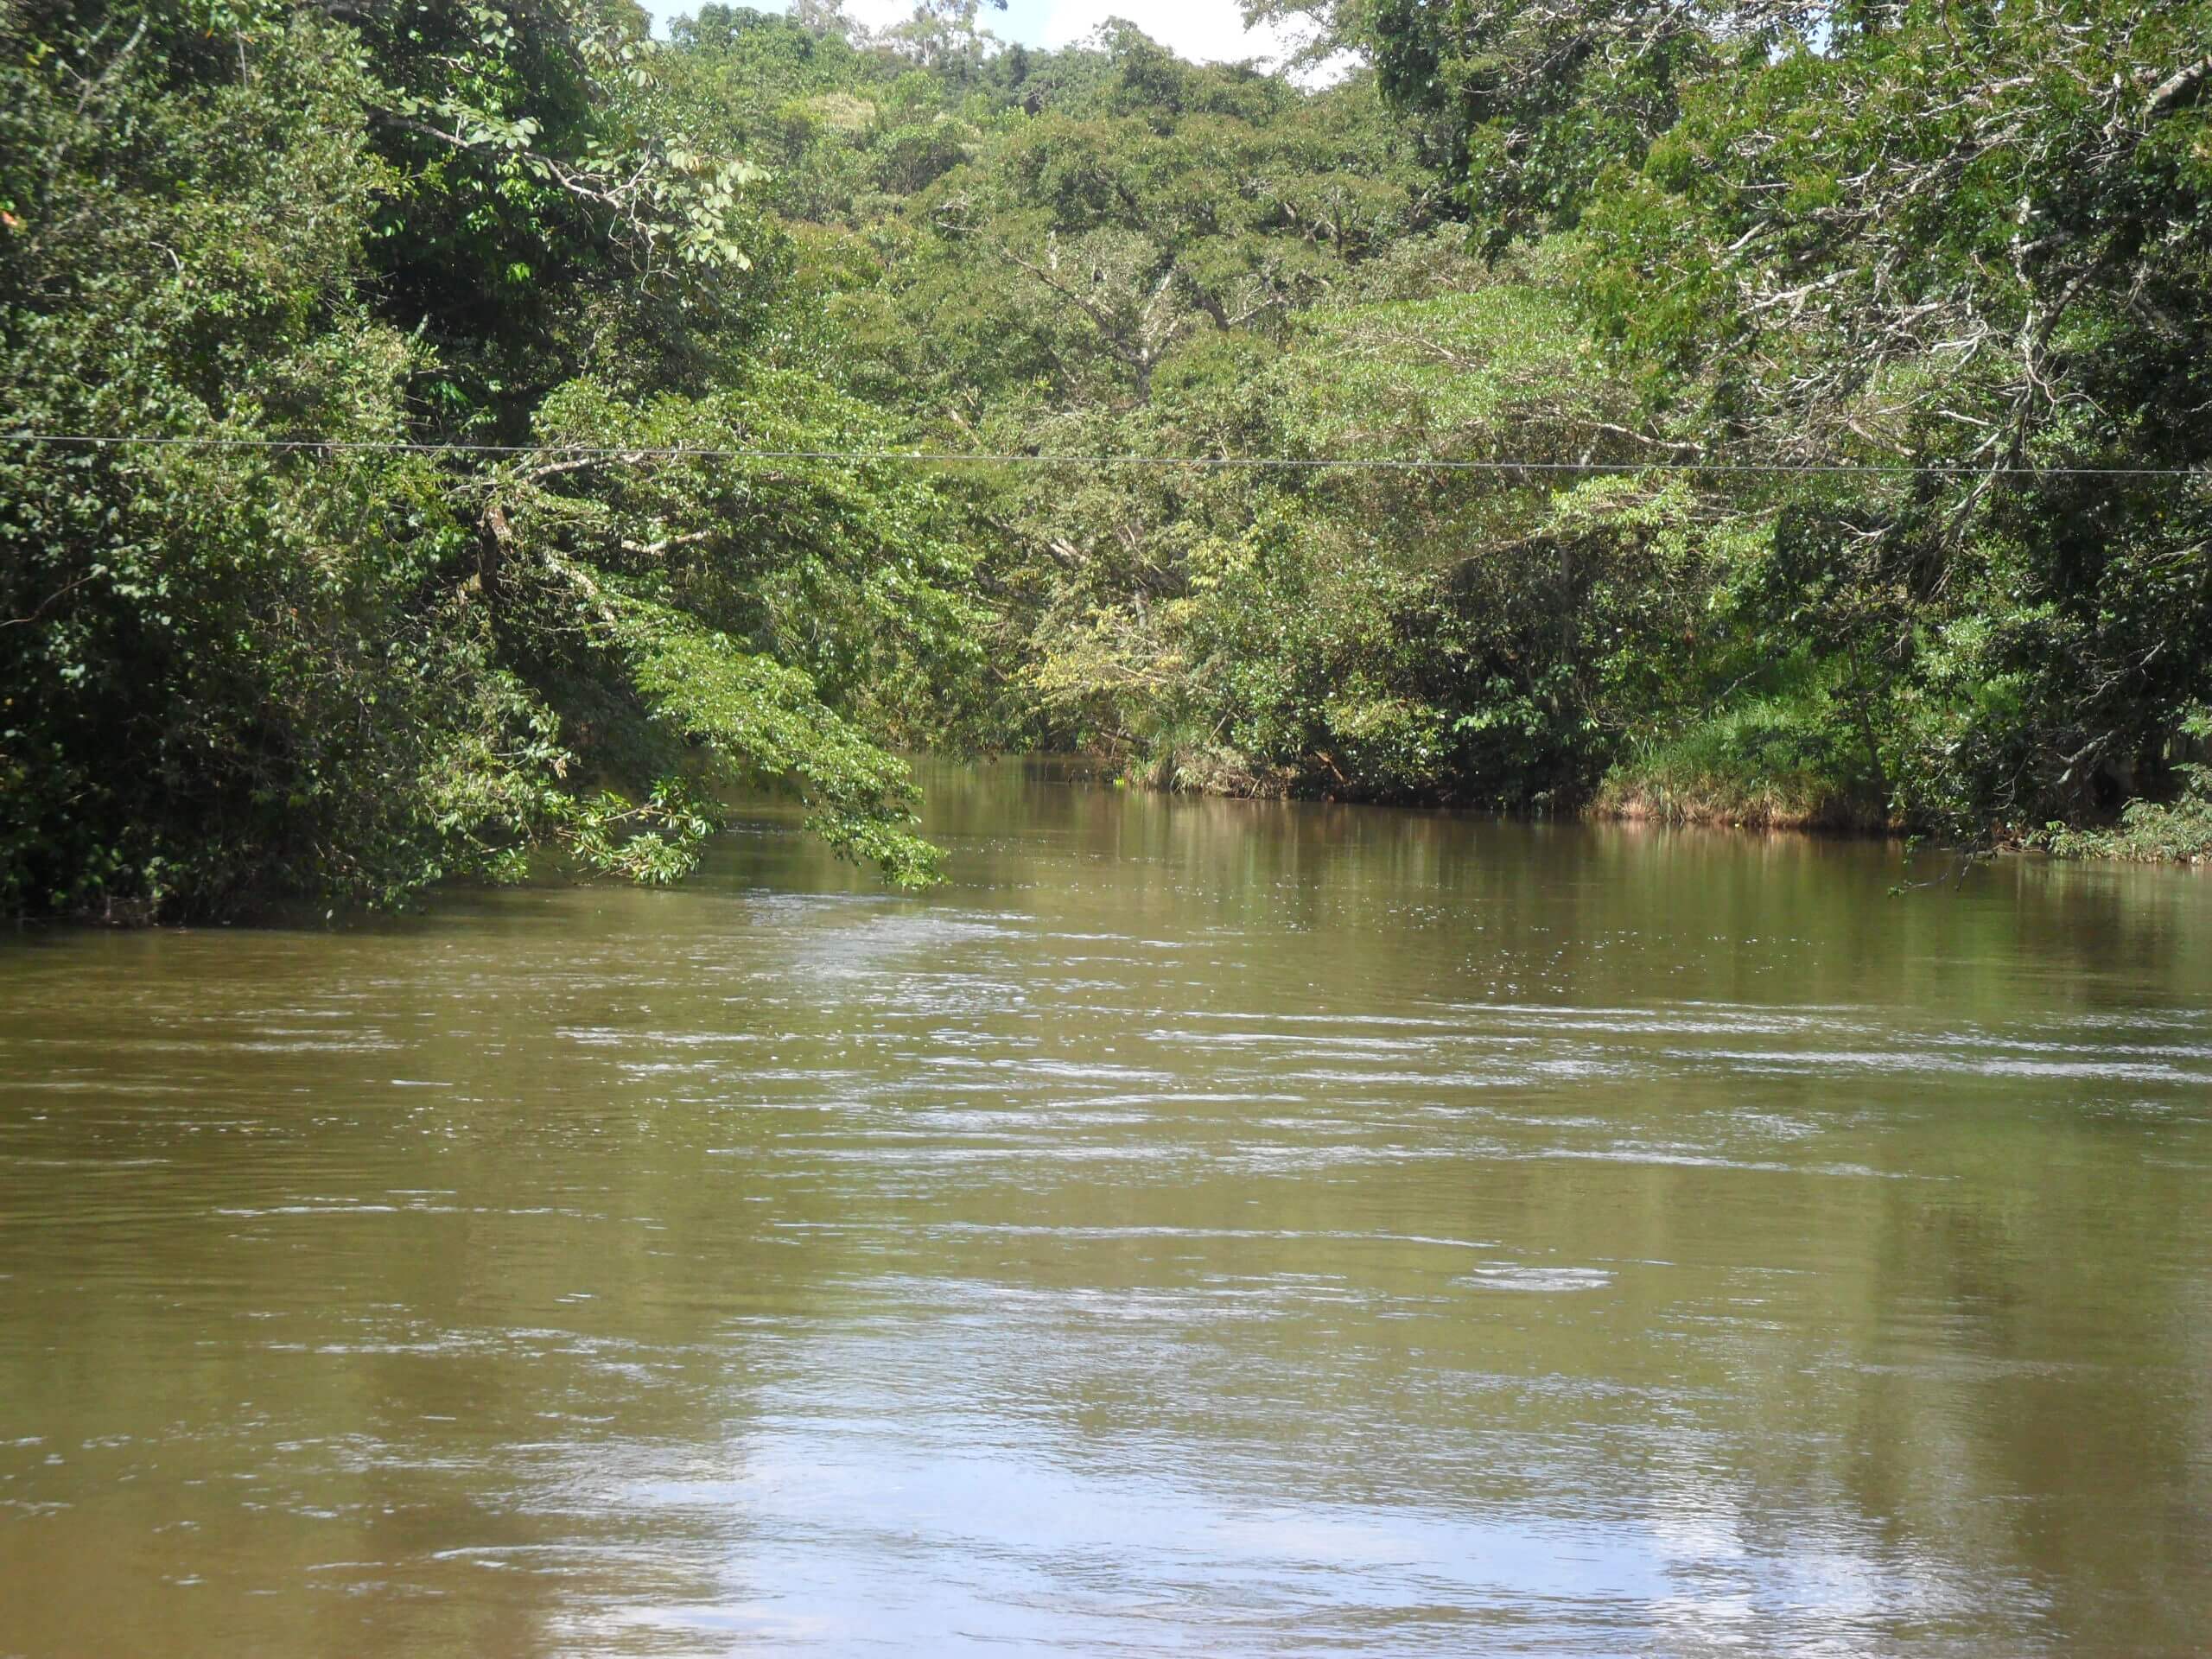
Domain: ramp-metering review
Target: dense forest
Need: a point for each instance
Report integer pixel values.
(436, 433)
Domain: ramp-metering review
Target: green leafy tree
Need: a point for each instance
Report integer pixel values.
(285, 654)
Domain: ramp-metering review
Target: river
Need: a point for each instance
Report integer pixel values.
(1201, 1227)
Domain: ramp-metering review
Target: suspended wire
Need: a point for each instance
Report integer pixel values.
(632, 454)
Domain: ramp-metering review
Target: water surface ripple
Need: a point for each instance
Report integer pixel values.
(1201, 1227)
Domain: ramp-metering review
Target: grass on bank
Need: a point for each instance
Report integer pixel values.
(1770, 764)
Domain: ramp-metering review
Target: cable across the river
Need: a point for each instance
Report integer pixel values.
(633, 454)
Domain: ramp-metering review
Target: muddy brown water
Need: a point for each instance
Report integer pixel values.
(1200, 1227)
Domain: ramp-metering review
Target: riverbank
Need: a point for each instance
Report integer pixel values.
(1670, 787)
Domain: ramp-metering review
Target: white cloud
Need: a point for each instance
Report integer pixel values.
(1210, 31)
(881, 14)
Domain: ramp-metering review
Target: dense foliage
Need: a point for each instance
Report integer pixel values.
(1888, 325)
(297, 660)
(1802, 406)
(1971, 245)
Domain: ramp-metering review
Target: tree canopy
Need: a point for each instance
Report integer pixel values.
(1802, 407)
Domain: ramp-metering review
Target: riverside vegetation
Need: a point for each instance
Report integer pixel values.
(1835, 376)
